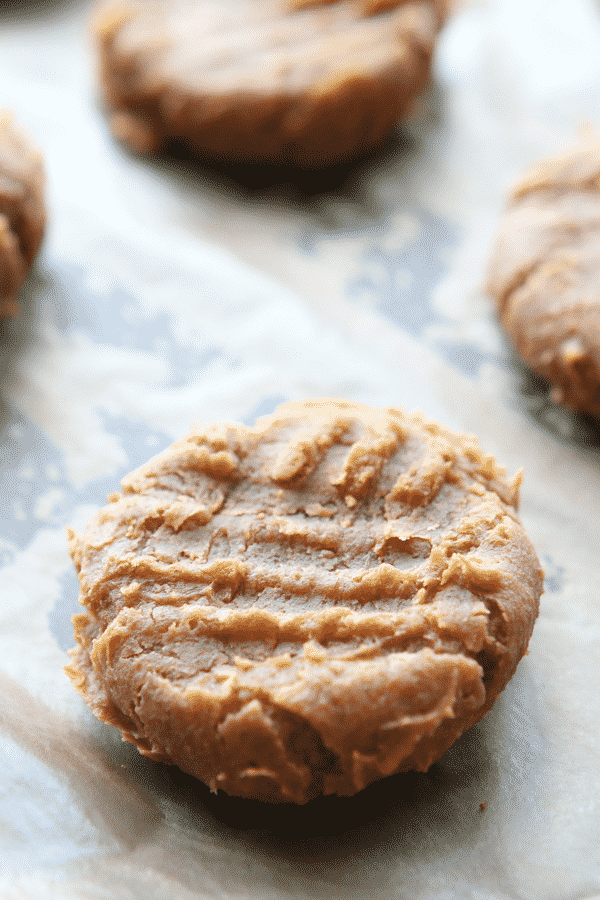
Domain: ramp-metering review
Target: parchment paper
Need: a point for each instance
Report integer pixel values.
(168, 293)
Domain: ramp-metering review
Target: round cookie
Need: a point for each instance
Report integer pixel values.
(544, 273)
(287, 81)
(22, 210)
(305, 606)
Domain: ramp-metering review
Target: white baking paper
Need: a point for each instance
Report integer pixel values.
(167, 293)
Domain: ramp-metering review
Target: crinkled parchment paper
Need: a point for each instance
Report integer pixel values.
(169, 293)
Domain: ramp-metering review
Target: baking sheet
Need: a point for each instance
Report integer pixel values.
(168, 293)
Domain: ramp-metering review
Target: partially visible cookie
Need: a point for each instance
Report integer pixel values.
(306, 82)
(22, 209)
(544, 273)
(305, 606)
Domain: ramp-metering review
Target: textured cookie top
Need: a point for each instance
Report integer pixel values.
(291, 81)
(22, 211)
(345, 566)
(543, 274)
(264, 47)
(21, 187)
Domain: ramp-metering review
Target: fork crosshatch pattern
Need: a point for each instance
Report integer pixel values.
(168, 292)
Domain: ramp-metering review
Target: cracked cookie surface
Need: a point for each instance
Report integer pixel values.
(22, 210)
(544, 273)
(288, 81)
(307, 605)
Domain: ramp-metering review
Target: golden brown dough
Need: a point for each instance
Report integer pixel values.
(295, 81)
(22, 210)
(307, 605)
(544, 273)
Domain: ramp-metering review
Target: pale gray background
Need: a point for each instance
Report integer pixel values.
(167, 293)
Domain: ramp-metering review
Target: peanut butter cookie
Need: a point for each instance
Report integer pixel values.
(288, 81)
(544, 273)
(304, 606)
(22, 211)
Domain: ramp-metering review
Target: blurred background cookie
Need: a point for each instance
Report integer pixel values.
(22, 210)
(308, 605)
(544, 273)
(289, 81)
